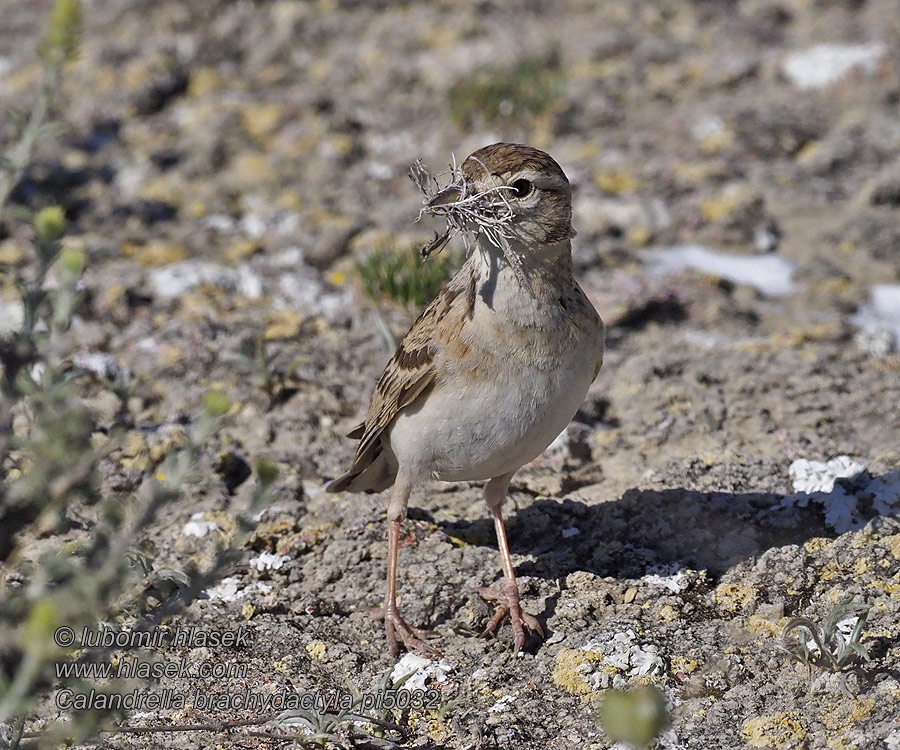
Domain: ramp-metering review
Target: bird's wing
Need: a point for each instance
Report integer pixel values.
(406, 378)
(409, 372)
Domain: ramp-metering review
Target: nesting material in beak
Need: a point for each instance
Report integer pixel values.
(450, 194)
(487, 213)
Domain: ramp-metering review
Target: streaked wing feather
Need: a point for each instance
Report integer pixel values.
(407, 375)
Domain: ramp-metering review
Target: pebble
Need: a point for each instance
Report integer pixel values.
(823, 64)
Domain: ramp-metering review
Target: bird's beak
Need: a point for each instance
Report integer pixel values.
(448, 195)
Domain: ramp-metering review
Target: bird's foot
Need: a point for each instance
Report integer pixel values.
(395, 628)
(508, 603)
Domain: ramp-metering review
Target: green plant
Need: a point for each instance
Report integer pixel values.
(491, 93)
(261, 366)
(834, 644)
(58, 47)
(331, 725)
(50, 462)
(52, 455)
(388, 273)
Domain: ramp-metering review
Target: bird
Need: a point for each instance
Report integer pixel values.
(491, 372)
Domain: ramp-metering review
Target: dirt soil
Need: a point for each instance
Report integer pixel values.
(223, 163)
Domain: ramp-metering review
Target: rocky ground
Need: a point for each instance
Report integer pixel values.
(737, 198)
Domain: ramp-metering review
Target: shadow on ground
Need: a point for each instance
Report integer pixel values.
(649, 529)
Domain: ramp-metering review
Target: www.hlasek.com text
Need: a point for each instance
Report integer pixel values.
(143, 669)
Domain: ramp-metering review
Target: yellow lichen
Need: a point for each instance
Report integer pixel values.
(260, 120)
(847, 714)
(781, 730)
(204, 81)
(616, 181)
(892, 545)
(284, 324)
(316, 649)
(667, 613)
(241, 250)
(761, 626)
(734, 596)
(639, 236)
(248, 169)
(808, 153)
(817, 544)
(716, 142)
(860, 566)
(568, 672)
(11, 253)
(155, 253)
(692, 173)
(682, 664)
(891, 589)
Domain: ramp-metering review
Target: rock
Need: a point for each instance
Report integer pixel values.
(333, 242)
(155, 253)
(163, 79)
(824, 64)
(173, 280)
(878, 320)
(769, 274)
(11, 253)
(884, 190)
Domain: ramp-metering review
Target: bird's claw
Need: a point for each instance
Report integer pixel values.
(395, 627)
(509, 603)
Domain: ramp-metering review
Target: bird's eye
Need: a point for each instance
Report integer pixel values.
(522, 188)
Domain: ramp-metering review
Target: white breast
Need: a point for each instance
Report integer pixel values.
(500, 404)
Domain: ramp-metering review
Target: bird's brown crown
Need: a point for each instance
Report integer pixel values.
(500, 159)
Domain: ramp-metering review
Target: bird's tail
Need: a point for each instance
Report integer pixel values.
(374, 476)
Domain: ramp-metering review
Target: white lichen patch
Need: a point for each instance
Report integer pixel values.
(175, 279)
(622, 656)
(817, 476)
(823, 64)
(669, 577)
(817, 482)
(199, 527)
(421, 671)
(226, 590)
(769, 274)
(502, 705)
(878, 320)
(269, 561)
(885, 493)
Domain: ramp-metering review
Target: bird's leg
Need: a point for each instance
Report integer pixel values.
(394, 625)
(507, 597)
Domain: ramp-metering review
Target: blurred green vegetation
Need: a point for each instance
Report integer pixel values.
(493, 93)
(402, 276)
(51, 456)
(636, 716)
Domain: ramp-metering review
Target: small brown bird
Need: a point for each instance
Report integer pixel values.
(496, 366)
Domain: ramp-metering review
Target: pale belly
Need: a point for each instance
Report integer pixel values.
(481, 428)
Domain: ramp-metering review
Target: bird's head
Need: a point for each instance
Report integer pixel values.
(511, 191)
